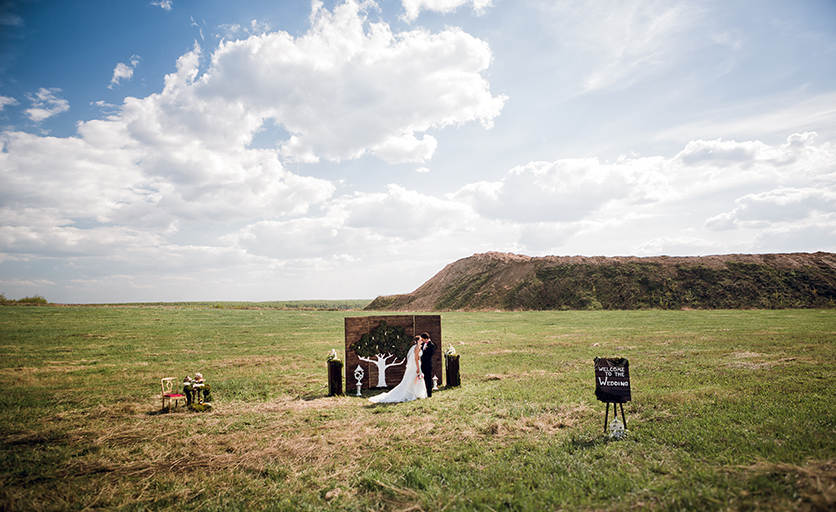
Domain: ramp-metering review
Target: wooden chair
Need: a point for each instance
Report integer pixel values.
(167, 385)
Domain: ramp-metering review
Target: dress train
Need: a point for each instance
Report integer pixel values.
(411, 386)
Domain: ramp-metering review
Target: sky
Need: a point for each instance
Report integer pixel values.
(210, 150)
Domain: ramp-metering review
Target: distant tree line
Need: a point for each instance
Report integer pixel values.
(35, 299)
(307, 305)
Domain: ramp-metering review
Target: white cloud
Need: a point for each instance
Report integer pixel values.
(69, 241)
(622, 42)
(407, 148)
(165, 4)
(46, 104)
(686, 197)
(401, 234)
(6, 100)
(564, 190)
(123, 71)
(350, 87)
(731, 165)
(158, 163)
(635, 38)
(193, 23)
(234, 30)
(412, 8)
(402, 213)
(228, 31)
(678, 245)
(776, 206)
(770, 117)
(369, 223)
(66, 173)
(158, 167)
(259, 27)
(93, 209)
(10, 20)
(546, 236)
(806, 237)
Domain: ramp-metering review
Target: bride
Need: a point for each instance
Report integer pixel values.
(412, 385)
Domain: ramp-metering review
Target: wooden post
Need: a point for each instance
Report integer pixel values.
(335, 377)
(453, 375)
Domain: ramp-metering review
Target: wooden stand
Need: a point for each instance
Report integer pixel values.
(612, 385)
(335, 378)
(453, 376)
(615, 413)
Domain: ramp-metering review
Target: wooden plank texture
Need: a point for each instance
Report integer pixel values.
(356, 327)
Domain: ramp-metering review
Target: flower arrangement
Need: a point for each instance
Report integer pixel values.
(450, 351)
(198, 386)
(333, 356)
(617, 430)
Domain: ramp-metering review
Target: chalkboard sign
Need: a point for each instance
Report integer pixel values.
(612, 380)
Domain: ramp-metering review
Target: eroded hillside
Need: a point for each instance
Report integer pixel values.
(509, 281)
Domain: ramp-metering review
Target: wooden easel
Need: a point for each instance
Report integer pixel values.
(615, 413)
(612, 385)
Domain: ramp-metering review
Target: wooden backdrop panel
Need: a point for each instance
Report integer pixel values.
(357, 326)
(431, 324)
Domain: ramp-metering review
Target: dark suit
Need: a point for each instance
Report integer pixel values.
(427, 366)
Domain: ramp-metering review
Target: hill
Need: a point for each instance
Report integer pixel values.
(493, 280)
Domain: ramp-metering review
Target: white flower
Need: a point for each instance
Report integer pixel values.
(617, 430)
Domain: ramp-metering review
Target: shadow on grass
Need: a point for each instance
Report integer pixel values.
(191, 409)
(165, 412)
(574, 443)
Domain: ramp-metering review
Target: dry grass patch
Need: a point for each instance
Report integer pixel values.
(275, 361)
(553, 422)
(761, 362)
(520, 376)
(815, 483)
(287, 442)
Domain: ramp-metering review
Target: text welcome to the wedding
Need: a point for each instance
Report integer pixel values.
(612, 380)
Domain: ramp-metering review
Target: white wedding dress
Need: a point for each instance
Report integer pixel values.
(410, 388)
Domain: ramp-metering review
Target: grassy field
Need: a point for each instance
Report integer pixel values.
(730, 410)
(307, 305)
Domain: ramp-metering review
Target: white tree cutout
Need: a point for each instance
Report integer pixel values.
(382, 344)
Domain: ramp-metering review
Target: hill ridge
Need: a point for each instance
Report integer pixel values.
(497, 280)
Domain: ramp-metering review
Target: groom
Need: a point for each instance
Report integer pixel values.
(428, 348)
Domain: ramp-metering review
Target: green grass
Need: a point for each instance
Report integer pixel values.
(730, 410)
(652, 285)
